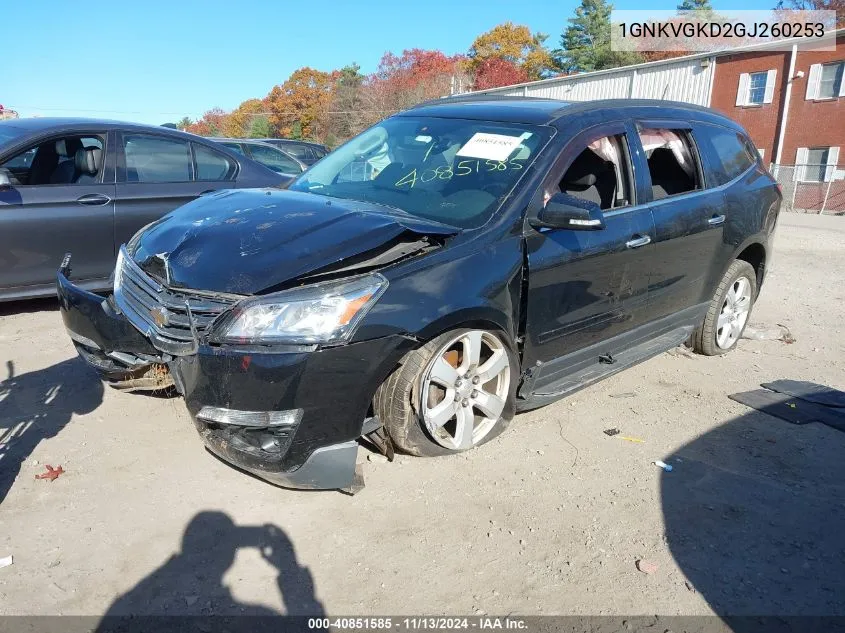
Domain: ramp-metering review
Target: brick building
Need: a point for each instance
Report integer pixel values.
(793, 105)
(791, 101)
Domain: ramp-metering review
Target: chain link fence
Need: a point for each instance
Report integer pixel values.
(811, 188)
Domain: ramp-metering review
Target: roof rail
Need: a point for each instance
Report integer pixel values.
(469, 97)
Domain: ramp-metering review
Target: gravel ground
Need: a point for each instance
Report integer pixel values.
(551, 517)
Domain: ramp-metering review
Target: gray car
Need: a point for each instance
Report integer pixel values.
(276, 159)
(86, 186)
(304, 151)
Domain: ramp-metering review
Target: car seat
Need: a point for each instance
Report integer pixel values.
(87, 162)
(667, 176)
(591, 178)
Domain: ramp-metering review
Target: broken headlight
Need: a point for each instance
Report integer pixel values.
(324, 313)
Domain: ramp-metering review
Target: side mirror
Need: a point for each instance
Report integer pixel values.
(564, 211)
(5, 182)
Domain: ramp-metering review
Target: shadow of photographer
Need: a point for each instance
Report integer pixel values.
(190, 583)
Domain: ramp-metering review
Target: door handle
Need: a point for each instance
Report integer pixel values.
(638, 241)
(208, 191)
(716, 220)
(94, 199)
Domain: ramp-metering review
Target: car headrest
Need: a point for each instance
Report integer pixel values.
(88, 160)
(585, 171)
(664, 158)
(68, 147)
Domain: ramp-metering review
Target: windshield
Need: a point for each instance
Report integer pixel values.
(454, 171)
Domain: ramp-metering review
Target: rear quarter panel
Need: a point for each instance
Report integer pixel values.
(751, 206)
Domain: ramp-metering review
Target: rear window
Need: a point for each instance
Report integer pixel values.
(672, 162)
(212, 165)
(235, 147)
(300, 151)
(275, 159)
(156, 159)
(732, 151)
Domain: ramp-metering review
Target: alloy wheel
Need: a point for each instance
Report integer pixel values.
(465, 388)
(734, 313)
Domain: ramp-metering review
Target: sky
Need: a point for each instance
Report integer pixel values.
(155, 61)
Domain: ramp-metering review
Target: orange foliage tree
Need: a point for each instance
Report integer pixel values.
(298, 106)
(495, 71)
(239, 122)
(212, 123)
(516, 44)
(416, 75)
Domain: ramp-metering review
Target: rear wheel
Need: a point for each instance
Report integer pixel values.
(728, 312)
(450, 395)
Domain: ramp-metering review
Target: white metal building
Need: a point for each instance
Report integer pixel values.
(688, 79)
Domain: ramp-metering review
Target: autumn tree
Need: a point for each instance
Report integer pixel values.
(817, 5)
(212, 123)
(514, 44)
(184, 123)
(300, 103)
(585, 43)
(239, 122)
(403, 81)
(346, 117)
(495, 72)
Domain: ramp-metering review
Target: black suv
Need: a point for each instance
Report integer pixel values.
(452, 265)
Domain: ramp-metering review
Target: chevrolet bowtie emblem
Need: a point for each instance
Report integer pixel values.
(159, 316)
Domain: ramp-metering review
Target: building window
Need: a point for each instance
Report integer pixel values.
(816, 164)
(831, 80)
(756, 89)
(826, 81)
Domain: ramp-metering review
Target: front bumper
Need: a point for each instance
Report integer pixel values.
(328, 390)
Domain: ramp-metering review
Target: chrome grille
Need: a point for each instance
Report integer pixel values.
(160, 312)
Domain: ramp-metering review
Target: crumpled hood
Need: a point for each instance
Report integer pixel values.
(251, 240)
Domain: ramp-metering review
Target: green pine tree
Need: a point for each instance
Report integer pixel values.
(695, 5)
(259, 127)
(296, 130)
(585, 43)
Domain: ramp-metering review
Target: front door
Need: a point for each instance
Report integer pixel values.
(54, 208)
(586, 286)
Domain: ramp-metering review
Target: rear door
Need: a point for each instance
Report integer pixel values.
(587, 286)
(689, 217)
(41, 222)
(158, 173)
(733, 164)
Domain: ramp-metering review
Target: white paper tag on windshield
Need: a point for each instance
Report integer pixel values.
(491, 146)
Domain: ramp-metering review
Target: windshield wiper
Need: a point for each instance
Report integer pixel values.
(404, 213)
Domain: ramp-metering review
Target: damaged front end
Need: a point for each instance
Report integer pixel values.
(269, 356)
(107, 341)
(287, 411)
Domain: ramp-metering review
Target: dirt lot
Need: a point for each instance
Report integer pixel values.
(549, 518)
